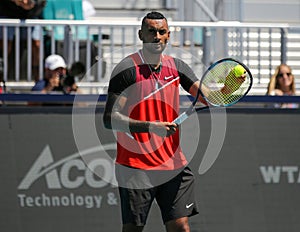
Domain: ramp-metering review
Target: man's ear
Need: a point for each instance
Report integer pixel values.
(141, 35)
(168, 37)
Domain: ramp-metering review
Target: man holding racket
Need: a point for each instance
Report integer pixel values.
(142, 102)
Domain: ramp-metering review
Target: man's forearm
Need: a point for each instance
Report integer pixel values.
(120, 122)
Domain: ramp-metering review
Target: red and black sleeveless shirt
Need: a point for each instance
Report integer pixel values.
(154, 96)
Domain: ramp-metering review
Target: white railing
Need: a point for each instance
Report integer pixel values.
(101, 44)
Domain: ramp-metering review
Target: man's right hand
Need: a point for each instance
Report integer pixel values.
(163, 129)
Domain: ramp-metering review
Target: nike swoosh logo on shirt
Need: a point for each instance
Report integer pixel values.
(189, 206)
(169, 77)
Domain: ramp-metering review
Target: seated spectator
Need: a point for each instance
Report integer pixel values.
(55, 67)
(57, 77)
(22, 9)
(56, 80)
(282, 83)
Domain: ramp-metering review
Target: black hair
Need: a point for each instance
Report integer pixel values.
(153, 15)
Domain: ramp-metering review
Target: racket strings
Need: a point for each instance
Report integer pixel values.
(221, 86)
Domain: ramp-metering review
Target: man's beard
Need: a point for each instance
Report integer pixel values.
(155, 48)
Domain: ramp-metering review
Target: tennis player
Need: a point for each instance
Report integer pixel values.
(143, 100)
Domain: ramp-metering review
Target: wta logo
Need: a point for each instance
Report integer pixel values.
(57, 175)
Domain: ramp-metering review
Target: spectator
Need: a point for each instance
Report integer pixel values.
(55, 67)
(73, 10)
(56, 80)
(22, 9)
(57, 77)
(282, 83)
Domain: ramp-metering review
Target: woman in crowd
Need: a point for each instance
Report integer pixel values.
(282, 83)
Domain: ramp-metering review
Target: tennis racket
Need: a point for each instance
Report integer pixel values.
(223, 84)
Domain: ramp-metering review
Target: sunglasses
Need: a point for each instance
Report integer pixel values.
(281, 74)
(160, 31)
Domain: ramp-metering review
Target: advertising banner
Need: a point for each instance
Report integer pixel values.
(57, 172)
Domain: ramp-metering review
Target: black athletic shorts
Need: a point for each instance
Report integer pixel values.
(175, 198)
